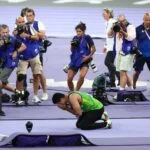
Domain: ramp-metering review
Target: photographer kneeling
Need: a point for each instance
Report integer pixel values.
(10, 48)
(124, 35)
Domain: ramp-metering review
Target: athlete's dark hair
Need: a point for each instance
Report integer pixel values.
(56, 97)
(81, 26)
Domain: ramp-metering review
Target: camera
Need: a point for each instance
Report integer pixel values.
(117, 26)
(20, 29)
(45, 44)
(136, 51)
(5, 41)
(75, 43)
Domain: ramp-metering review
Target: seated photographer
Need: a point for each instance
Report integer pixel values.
(82, 50)
(10, 48)
(29, 57)
(124, 35)
(85, 107)
(143, 44)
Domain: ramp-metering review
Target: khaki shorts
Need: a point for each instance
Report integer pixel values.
(34, 63)
(124, 63)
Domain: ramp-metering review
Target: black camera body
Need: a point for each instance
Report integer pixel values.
(45, 44)
(136, 51)
(75, 43)
(117, 27)
(20, 29)
(6, 41)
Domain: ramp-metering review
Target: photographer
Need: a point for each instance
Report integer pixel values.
(108, 49)
(37, 29)
(30, 57)
(10, 48)
(143, 44)
(82, 50)
(124, 35)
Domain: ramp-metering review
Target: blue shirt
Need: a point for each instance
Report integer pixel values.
(78, 52)
(7, 51)
(32, 49)
(143, 42)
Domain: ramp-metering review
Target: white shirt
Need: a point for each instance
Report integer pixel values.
(40, 26)
(131, 36)
(109, 40)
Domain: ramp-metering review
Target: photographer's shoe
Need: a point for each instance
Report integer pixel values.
(20, 102)
(36, 99)
(109, 124)
(44, 97)
(105, 116)
(2, 113)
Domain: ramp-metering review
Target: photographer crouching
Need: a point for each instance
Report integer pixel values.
(124, 35)
(10, 48)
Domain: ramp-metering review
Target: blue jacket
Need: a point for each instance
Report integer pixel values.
(79, 52)
(143, 42)
(126, 45)
(32, 47)
(6, 53)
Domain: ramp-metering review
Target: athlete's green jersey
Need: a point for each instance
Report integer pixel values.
(88, 101)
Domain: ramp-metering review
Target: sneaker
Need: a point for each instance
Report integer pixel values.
(36, 99)
(2, 113)
(109, 124)
(104, 116)
(44, 97)
(20, 102)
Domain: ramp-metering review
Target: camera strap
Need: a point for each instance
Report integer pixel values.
(147, 34)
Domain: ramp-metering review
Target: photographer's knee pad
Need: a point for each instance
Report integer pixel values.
(21, 77)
